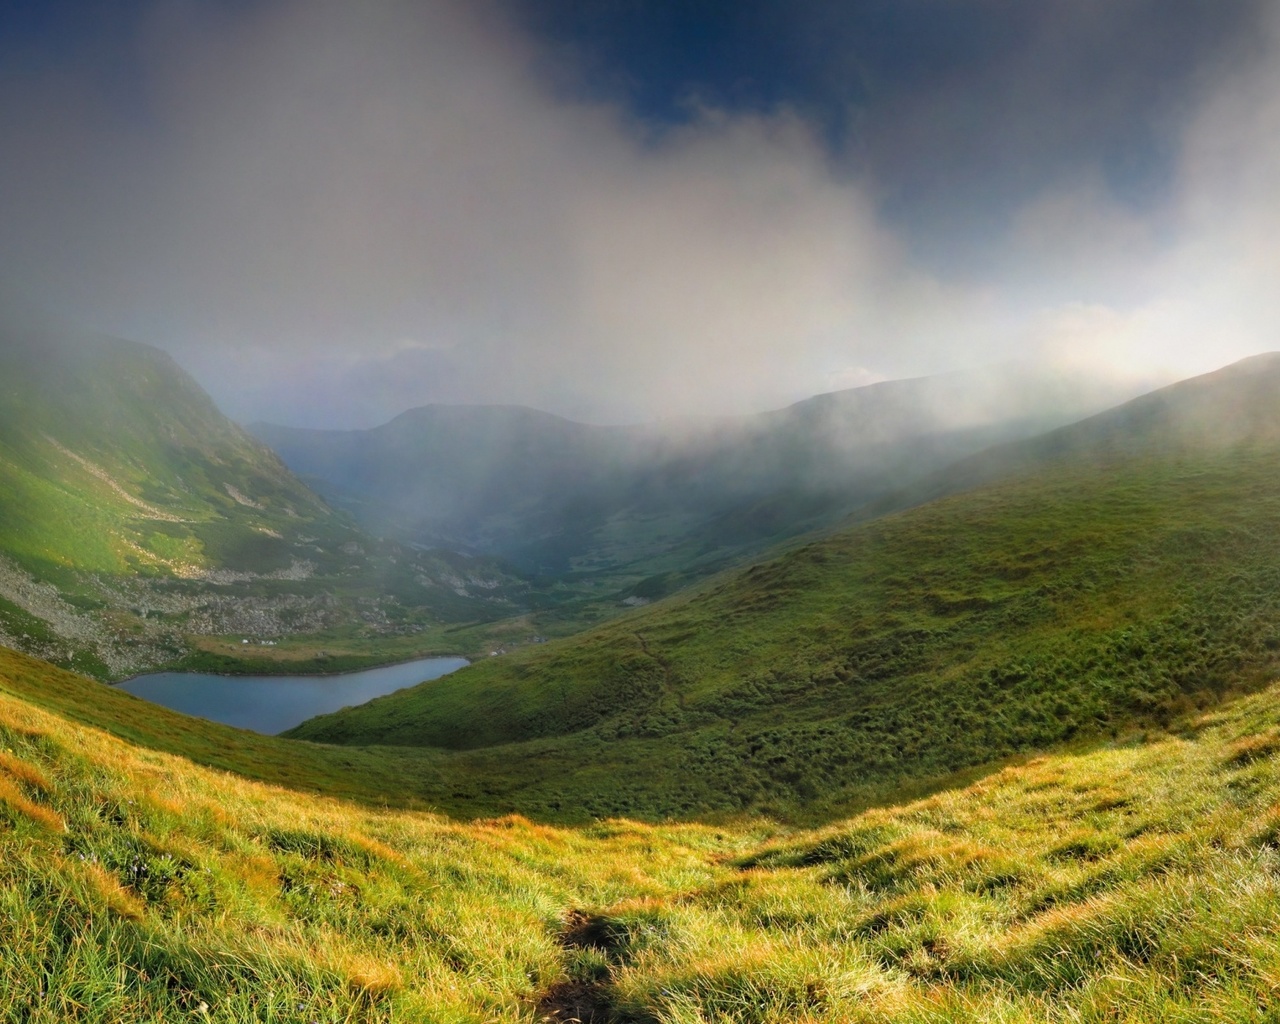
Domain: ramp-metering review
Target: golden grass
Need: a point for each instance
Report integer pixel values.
(24, 771)
(1134, 882)
(118, 900)
(13, 799)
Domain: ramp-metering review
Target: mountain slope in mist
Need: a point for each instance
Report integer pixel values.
(554, 495)
(134, 515)
(1217, 411)
(1079, 595)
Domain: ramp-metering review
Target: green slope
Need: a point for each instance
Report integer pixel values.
(1135, 882)
(135, 519)
(107, 444)
(1124, 581)
(1213, 412)
(1069, 602)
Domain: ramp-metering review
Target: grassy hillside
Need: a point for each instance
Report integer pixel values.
(1126, 872)
(1214, 412)
(135, 518)
(1097, 593)
(122, 428)
(1132, 882)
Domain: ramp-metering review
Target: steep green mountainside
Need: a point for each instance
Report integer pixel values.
(1233, 406)
(658, 505)
(1134, 881)
(134, 517)
(1128, 876)
(121, 426)
(1070, 602)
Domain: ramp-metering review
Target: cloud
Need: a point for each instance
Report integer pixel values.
(319, 181)
(1191, 285)
(331, 212)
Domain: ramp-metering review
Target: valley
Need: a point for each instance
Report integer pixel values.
(640, 511)
(1093, 590)
(989, 738)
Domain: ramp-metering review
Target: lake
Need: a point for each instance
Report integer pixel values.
(271, 704)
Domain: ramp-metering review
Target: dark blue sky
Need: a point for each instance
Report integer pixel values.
(959, 109)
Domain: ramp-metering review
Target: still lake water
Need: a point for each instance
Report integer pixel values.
(271, 704)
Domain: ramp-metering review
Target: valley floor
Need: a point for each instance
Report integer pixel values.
(1131, 882)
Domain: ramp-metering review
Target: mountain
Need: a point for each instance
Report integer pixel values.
(1127, 578)
(123, 427)
(1232, 407)
(553, 495)
(135, 518)
(483, 477)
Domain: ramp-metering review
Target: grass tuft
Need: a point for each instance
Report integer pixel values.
(20, 807)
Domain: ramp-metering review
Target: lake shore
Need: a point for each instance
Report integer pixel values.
(272, 703)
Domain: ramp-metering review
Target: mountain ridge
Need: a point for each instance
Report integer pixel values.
(1229, 406)
(138, 523)
(1006, 617)
(555, 496)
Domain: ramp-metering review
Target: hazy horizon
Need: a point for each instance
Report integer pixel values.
(636, 212)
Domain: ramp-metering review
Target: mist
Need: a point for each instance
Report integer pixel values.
(331, 213)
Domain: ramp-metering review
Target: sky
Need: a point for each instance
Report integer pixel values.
(624, 210)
